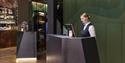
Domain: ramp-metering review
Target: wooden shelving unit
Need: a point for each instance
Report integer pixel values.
(7, 19)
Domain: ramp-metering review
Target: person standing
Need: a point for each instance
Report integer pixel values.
(88, 29)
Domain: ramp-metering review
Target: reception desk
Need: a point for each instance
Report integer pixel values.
(64, 49)
(27, 45)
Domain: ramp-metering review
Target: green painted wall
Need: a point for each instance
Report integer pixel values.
(108, 16)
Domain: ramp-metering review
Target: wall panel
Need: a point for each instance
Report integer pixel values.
(114, 41)
(108, 17)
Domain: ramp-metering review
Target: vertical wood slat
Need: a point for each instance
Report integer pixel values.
(101, 41)
(23, 10)
(123, 44)
(114, 43)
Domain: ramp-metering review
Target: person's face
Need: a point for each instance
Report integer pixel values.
(84, 19)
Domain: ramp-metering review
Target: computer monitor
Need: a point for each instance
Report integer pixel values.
(70, 27)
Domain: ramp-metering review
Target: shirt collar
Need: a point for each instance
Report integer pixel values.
(87, 23)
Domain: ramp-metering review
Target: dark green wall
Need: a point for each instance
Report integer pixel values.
(108, 16)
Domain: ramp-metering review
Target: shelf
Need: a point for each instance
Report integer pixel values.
(7, 19)
(7, 22)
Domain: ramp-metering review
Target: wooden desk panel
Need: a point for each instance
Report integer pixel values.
(8, 38)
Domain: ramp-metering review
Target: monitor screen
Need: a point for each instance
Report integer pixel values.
(70, 27)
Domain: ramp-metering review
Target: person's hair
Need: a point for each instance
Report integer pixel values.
(85, 15)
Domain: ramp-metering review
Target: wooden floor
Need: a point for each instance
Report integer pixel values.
(8, 55)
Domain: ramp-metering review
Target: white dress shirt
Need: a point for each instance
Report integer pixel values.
(91, 30)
